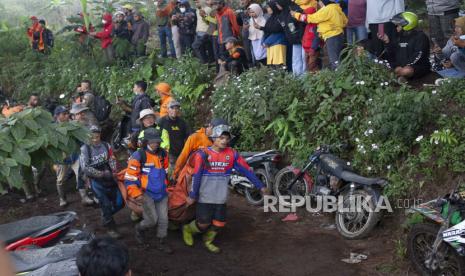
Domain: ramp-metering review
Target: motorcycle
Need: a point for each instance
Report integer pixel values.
(436, 246)
(265, 166)
(34, 232)
(334, 178)
(120, 137)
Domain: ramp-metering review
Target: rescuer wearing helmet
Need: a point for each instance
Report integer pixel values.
(212, 170)
(409, 52)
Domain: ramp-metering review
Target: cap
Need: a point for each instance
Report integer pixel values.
(218, 121)
(144, 113)
(219, 130)
(174, 103)
(152, 135)
(78, 108)
(164, 88)
(60, 109)
(231, 39)
(119, 13)
(95, 129)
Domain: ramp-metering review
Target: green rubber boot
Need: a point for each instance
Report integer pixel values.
(188, 232)
(208, 239)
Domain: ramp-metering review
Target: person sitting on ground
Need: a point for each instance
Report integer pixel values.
(164, 91)
(103, 257)
(409, 53)
(148, 120)
(146, 182)
(99, 165)
(234, 59)
(177, 129)
(210, 189)
(453, 54)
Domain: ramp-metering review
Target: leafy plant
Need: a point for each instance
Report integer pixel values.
(30, 138)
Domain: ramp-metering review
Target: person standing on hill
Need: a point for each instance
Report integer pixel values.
(164, 10)
(105, 37)
(140, 34)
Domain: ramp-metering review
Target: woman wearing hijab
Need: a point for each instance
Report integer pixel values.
(256, 35)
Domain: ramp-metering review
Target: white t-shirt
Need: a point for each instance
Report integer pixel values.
(381, 11)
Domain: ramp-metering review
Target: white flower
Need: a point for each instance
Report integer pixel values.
(370, 99)
(369, 169)
(374, 146)
(369, 122)
(370, 131)
(357, 83)
(376, 60)
(357, 140)
(382, 84)
(436, 142)
(362, 83)
(386, 83)
(388, 167)
(348, 163)
(436, 131)
(419, 138)
(434, 92)
(349, 118)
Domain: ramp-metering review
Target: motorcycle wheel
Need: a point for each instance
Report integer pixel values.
(254, 196)
(419, 245)
(115, 141)
(356, 225)
(281, 186)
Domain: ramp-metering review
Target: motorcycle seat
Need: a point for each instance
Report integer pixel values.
(353, 177)
(14, 231)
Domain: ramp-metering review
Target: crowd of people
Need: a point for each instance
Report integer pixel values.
(168, 166)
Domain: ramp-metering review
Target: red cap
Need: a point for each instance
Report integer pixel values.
(33, 17)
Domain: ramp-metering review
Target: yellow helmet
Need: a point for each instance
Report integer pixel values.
(128, 7)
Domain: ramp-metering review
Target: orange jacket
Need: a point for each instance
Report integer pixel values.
(196, 141)
(8, 111)
(149, 177)
(165, 100)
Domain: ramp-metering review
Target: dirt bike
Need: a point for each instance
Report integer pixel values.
(36, 232)
(334, 178)
(436, 246)
(265, 166)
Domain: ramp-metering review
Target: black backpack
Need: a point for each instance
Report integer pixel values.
(102, 108)
(49, 39)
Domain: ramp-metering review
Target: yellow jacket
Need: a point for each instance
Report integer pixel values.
(331, 20)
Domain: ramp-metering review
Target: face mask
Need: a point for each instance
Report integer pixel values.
(183, 10)
(104, 22)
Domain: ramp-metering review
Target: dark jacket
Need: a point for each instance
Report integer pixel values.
(121, 30)
(187, 21)
(293, 29)
(178, 132)
(236, 60)
(140, 31)
(410, 48)
(140, 102)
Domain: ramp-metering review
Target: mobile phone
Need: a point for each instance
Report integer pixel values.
(381, 30)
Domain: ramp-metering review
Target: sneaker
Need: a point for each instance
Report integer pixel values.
(63, 202)
(164, 247)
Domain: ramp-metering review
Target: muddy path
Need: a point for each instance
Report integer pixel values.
(253, 242)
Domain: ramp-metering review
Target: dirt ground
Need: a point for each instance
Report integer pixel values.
(253, 242)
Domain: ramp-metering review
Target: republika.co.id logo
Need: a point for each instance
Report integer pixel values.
(327, 203)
